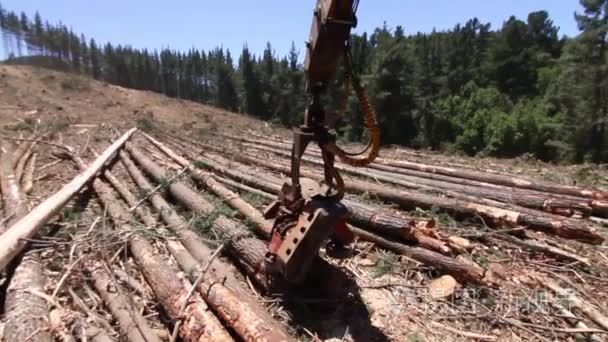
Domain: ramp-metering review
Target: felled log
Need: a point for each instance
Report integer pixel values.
(27, 182)
(428, 257)
(11, 241)
(193, 242)
(418, 231)
(541, 247)
(14, 205)
(495, 178)
(131, 322)
(198, 323)
(234, 185)
(22, 149)
(374, 221)
(206, 179)
(362, 215)
(566, 207)
(408, 200)
(221, 269)
(26, 313)
(20, 167)
(575, 302)
(248, 319)
(500, 179)
(247, 251)
(459, 270)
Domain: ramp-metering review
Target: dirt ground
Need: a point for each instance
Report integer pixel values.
(391, 296)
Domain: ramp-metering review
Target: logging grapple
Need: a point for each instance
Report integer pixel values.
(308, 213)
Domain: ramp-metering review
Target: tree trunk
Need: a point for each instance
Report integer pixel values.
(461, 209)
(198, 324)
(26, 312)
(206, 179)
(428, 257)
(131, 323)
(14, 206)
(28, 177)
(487, 177)
(544, 202)
(248, 319)
(459, 270)
(11, 241)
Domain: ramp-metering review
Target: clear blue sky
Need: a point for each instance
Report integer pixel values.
(230, 23)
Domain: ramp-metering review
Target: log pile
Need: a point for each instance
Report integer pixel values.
(210, 284)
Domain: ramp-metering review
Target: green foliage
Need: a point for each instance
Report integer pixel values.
(203, 224)
(415, 338)
(147, 122)
(385, 264)
(518, 89)
(199, 164)
(254, 199)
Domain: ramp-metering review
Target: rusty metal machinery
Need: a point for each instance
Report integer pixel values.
(307, 213)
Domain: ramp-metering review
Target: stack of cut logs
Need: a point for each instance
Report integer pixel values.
(215, 302)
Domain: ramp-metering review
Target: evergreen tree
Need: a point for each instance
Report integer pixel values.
(253, 103)
(518, 89)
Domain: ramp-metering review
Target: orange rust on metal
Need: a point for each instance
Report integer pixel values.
(327, 34)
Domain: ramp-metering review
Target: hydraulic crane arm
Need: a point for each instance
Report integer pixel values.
(329, 35)
(307, 213)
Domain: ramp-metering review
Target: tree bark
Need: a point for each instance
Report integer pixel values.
(20, 167)
(493, 178)
(461, 209)
(198, 324)
(206, 179)
(461, 271)
(14, 206)
(131, 323)
(27, 314)
(540, 201)
(11, 241)
(428, 257)
(28, 177)
(247, 318)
